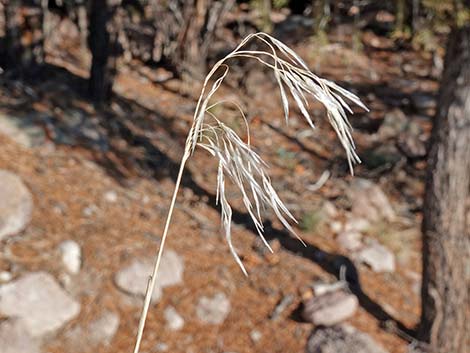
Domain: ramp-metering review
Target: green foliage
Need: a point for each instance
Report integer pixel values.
(320, 38)
(311, 221)
(357, 42)
(264, 9)
(280, 4)
(288, 158)
(462, 17)
(426, 39)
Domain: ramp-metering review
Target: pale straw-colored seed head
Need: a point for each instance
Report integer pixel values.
(237, 160)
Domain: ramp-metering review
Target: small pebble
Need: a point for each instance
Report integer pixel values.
(111, 196)
(71, 254)
(90, 210)
(161, 347)
(213, 310)
(5, 276)
(336, 226)
(174, 320)
(256, 336)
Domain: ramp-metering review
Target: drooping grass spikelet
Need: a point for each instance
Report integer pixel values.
(247, 171)
(236, 159)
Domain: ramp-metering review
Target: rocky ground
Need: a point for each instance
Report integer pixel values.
(84, 194)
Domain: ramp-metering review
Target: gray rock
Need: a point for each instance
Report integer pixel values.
(394, 123)
(423, 101)
(16, 204)
(22, 130)
(14, 338)
(412, 146)
(98, 332)
(329, 209)
(71, 255)
(174, 321)
(213, 310)
(161, 347)
(133, 279)
(369, 201)
(378, 257)
(341, 339)
(294, 26)
(38, 301)
(90, 210)
(349, 240)
(330, 308)
(103, 330)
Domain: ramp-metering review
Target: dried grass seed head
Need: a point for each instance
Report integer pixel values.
(237, 160)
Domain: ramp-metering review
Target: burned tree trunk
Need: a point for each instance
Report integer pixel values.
(12, 32)
(446, 224)
(102, 41)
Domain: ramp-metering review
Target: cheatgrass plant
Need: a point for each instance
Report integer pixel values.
(237, 161)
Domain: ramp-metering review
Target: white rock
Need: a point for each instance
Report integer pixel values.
(349, 240)
(71, 255)
(103, 330)
(341, 339)
(378, 257)
(111, 196)
(171, 269)
(133, 279)
(356, 224)
(320, 288)
(16, 204)
(336, 226)
(174, 321)
(38, 302)
(256, 336)
(329, 209)
(14, 338)
(145, 199)
(330, 308)
(369, 201)
(5, 276)
(213, 310)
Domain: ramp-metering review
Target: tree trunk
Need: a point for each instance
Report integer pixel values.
(12, 32)
(446, 219)
(102, 39)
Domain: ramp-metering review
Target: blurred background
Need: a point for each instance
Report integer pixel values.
(96, 100)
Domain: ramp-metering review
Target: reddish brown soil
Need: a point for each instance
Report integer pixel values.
(64, 180)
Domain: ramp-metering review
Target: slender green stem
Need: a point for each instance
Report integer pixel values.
(153, 277)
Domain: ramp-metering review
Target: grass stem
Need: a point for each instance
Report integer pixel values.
(153, 277)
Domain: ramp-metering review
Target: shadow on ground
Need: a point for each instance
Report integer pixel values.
(132, 147)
